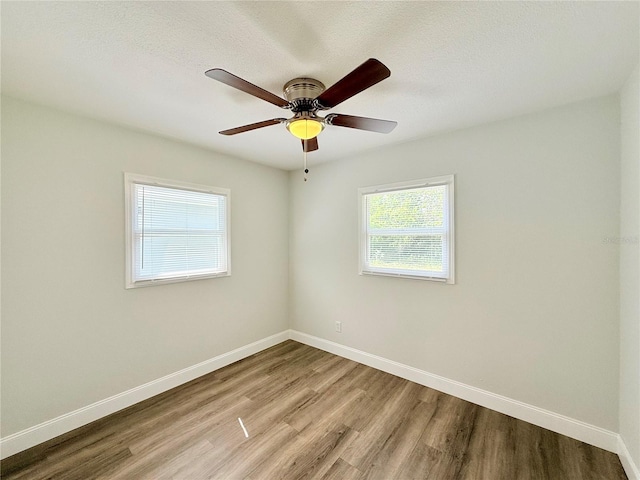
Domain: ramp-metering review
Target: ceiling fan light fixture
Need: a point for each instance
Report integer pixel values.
(305, 128)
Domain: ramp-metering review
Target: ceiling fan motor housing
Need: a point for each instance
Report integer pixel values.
(301, 92)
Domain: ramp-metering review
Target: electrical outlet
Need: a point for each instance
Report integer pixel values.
(339, 327)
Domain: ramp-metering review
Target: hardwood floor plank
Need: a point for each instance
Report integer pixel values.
(401, 443)
(277, 409)
(324, 377)
(367, 446)
(309, 414)
(76, 467)
(423, 462)
(308, 455)
(342, 470)
(247, 456)
(188, 463)
(589, 463)
(451, 425)
(335, 402)
(528, 456)
(194, 425)
(491, 450)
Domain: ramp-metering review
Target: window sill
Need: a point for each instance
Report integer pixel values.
(448, 281)
(164, 281)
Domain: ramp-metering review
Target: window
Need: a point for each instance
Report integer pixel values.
(407, 229)
(175, 231)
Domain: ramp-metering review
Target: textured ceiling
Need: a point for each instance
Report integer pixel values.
(453, 64)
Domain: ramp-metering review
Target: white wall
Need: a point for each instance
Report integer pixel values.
(71, 333)
(630, 268)
(534, 313)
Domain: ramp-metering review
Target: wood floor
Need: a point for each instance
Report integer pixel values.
(309, 414)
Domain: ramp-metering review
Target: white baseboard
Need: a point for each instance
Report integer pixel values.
(65, 423)
(570, 427)
(630, 468)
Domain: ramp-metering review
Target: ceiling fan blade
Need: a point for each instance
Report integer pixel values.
(253, 126)
(361, 123)
(366, 75)
(237, 82)
(310, 145)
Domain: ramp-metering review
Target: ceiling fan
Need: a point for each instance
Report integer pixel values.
(306, 96)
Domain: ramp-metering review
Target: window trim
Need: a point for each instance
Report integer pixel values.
(390, 187)
(129, 180)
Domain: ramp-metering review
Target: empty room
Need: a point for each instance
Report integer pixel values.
(324, 240)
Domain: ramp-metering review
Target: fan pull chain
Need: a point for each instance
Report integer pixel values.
(306, 170)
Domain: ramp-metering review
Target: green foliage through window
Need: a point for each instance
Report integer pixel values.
(406, 230)
(415, 208)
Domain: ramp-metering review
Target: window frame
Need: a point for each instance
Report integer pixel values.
(364, 268)
(131, 179)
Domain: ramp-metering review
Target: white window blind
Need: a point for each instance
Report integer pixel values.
(176, 232)
(407, 229)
